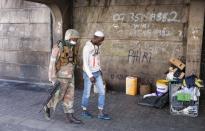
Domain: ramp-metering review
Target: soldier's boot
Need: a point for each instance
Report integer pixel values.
(71, 119)
(47, 113)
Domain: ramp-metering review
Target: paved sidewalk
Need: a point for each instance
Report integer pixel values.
(20, 104)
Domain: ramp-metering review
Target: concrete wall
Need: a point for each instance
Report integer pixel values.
(195, 37)
(25, 40)
(141, 35)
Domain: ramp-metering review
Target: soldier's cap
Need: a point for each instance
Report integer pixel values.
(71, 33)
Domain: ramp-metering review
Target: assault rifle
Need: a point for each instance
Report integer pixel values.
(56, 87)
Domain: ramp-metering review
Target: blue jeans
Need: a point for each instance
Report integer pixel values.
(87, 88)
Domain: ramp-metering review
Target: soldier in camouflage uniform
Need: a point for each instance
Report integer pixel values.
(61, 68)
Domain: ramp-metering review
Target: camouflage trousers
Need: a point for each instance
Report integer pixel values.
(65, 95)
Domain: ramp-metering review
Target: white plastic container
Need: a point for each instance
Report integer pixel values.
(162, 87)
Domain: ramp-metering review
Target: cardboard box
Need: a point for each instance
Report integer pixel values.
(177, 63)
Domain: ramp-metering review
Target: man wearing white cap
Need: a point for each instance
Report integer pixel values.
(92, 75)
(61, 69)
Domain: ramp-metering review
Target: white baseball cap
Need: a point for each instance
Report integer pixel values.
(99, 34)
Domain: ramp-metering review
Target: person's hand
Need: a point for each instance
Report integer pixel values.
(92, 79)
(54, 82)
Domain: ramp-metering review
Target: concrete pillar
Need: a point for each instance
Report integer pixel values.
(57, 22)
(61, 14)
(194, 37)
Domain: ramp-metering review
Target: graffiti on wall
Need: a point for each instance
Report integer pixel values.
(141, 52)
(196, 33)
(171, 16)
(145, 24)
(149, 30)
(117, 76)
(138, 56)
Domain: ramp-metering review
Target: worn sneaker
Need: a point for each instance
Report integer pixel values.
(104, 117)
(86, 114)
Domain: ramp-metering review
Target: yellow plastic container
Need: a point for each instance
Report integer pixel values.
(131, 85)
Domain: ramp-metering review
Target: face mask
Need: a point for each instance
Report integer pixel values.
(73, 42)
